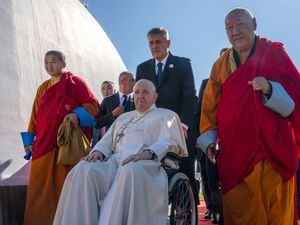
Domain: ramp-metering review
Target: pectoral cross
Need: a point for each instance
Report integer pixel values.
(119, 136)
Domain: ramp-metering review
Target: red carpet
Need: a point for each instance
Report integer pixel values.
(201, 212)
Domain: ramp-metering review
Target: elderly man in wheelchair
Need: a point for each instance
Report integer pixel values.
(122, 181)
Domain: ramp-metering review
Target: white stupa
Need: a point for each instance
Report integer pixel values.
(29, 28)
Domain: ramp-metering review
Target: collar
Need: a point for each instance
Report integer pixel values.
(139, 114)
(236, 55)
(121, 94)
(164, 61)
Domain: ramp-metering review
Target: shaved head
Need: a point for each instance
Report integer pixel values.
(240, 28)
(240, 12)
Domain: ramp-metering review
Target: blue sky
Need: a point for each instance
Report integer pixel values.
(196, 27)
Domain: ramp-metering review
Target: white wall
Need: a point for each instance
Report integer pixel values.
(29, 28)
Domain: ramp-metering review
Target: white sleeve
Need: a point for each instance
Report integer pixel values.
(105, 145)
(280, 101)
(162, 147)
(207, 138)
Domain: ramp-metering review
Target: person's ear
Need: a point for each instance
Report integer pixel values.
(254, 23)
(155, 96)
(168, 43)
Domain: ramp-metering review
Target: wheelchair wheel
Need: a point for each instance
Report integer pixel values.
(182, 207)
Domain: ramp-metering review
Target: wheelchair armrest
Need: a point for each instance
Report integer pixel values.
(171, 163)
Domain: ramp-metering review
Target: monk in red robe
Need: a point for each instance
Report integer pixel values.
(251, 104)
(63, 96)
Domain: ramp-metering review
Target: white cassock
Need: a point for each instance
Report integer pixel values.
(133, 194)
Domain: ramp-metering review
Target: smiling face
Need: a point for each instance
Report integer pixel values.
(53, 65)
(240, 27)
(144, 95)
(158, 46)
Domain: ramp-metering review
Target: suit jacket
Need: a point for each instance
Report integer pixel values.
(104, 116)
(176, 91)
(200, 97)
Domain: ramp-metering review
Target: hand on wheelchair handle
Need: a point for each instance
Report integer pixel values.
(211, 153)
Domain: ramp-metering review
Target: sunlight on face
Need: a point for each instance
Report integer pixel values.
(158, 46)
(53, 65)
(144, 97)
(240, 29)
(107, 90)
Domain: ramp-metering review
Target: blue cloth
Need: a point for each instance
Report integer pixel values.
(86, 119)
(27, 155)
(27, 138)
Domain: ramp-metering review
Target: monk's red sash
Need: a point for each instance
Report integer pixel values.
(59, 100)
(248, 131)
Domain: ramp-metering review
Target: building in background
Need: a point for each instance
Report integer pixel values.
(28, 30)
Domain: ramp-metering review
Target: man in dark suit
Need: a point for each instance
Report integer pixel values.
(107, 89)
(116, 104)
(174, 81)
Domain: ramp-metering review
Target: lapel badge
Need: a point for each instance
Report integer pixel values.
(171, 66)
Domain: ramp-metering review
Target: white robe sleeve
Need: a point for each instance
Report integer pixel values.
(105, 145)
(162, 147)
(170, 137)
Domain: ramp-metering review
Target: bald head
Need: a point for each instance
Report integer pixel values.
(243, 12)
(240, 28)
(145, 95)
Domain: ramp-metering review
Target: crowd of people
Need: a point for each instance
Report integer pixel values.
(244, 121)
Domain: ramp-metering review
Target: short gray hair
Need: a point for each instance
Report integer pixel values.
(159, 31)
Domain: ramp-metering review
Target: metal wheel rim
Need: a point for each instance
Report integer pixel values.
(183, 209)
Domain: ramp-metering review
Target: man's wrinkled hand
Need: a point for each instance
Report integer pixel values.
(94, 156)
(260, 84)
(118, 111)
(145, 155)
(73, 119)
(211, 153)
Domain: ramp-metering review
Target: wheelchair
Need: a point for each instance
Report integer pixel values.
(182, 203)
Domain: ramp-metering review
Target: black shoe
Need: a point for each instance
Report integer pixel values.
(207, 215)
(214, 218)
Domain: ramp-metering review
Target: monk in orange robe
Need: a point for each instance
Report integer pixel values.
(251, 104)
(63, 96)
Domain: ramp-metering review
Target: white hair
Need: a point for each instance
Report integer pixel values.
(148, 83)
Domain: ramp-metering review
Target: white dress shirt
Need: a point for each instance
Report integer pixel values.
(164, 61)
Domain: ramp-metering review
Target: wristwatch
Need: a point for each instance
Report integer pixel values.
(153, 155)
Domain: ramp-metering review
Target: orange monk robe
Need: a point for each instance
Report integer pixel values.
(263, 197)
(250, 193)
(46, 177)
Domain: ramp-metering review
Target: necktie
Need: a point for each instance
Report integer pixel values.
(125, 102)
(159, 72)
